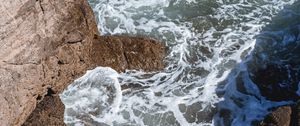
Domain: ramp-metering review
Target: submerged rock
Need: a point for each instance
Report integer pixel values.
(279, 117)
(45, 45)
(276, 65)
(50, 111)
(283, 116)
(274, 79)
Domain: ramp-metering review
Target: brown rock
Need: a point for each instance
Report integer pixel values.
(279, 117)
(120, 53)
(45, 45)
(49, 112)
(285, 115)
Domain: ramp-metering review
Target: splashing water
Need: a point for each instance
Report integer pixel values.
(207, 40)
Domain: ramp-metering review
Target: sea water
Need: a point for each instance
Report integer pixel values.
(211, 44)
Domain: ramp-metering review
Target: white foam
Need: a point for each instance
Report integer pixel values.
(96, 93)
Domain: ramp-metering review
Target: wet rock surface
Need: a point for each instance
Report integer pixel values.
(279, 117)
(274, 79)
(45, 45)
(283, 116)
(121, 52)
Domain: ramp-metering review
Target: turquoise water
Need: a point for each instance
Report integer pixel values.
(214, 46)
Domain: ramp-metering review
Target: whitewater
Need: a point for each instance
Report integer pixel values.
(210, 42)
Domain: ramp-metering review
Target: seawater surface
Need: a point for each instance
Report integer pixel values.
(211, 43)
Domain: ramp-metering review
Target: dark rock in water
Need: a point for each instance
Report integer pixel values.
(283, 116)
(194, 113)
(45, 45)
(295, 120)
(275, 66)
(279, 117)
(277, 83)
(277, 74)
(42, 46)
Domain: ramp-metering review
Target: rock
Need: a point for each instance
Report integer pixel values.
(120, 53)
(295, 120)
(279, 117)
(50, 112)
(34, 35)
(275, 59)
(45, 45)
(275, 79)
(283, 116)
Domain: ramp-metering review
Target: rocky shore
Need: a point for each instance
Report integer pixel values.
(45, 45)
